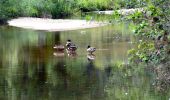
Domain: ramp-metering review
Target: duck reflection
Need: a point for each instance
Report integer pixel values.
(71, 53)
(58, 54)
(58, 47)
(95, 79)
(58, 50)
(91, 57)
(71, 48)
(91, 72)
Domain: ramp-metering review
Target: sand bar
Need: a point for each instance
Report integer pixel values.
(53, 24)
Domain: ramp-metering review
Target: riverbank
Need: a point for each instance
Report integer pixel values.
(53, 24)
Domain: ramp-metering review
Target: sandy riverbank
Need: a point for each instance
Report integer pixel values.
(53, 24)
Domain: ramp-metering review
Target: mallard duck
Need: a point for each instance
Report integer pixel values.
(71, 46)
(59, 47)
(91, 49)
(68, 43)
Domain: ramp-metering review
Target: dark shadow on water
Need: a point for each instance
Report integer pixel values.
(108, 71)
(41, 39)
(57, 39)
(90, 69)
(61, 71)
(96, 79)
(41, 73)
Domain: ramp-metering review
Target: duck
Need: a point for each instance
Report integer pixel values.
(71, 46)
(59, 48)
(90, 49)
(68, 43)
(71, 51)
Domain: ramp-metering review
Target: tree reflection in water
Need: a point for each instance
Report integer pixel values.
(30, 71)
(62, 74)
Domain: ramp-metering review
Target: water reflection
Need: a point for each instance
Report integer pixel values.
(62, 73)
(71, 54)
(95, 76)
(57, 39)
(90, 57)
(58, 54)
(31, 69)
(58, 47)
(41, 39)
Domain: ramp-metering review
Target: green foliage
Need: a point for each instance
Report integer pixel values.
(49, 8)
(135, 16)
(118, 4)
(116, 15)
(62, 8)
(154, 11)
(145, 30)
(142, 52)
(91, 5)
(9, 8)
(150, 26)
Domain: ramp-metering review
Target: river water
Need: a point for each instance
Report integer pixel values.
(30, 69)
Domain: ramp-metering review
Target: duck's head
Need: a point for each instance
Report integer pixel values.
(68, 40)
(68, 45)
(88, 46)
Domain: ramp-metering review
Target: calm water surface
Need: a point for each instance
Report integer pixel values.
(30, 69)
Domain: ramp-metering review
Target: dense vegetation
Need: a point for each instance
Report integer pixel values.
(154, 48)
(37, 8)
(153, 27)
(45, 8)
(59, 8)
